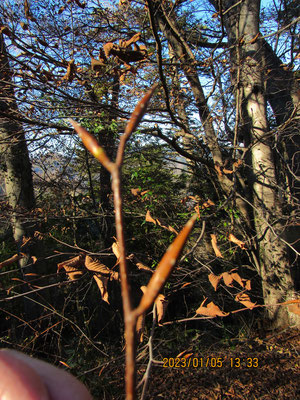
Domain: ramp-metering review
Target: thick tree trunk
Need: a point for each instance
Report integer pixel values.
(18, 174)
(275, 270)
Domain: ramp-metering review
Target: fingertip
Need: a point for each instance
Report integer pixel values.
(18, 380)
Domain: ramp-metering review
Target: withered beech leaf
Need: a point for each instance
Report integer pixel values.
(211, 310)
(102, 281)
(215, 246)
(96, 266)
(72, 267)
(247, 284)
(233, 239)
(243, 298)
(116, 250)
(228, 279)
(208, 203)
(135, 192)
(214, 280)
(143, 267)
(236, 277)
(161, 306)
(149, 218)
(72, 272)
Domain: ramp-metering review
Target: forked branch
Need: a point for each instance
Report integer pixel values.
(167, 262)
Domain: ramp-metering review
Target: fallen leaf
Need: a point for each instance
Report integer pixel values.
(136, 191)
(72, 267)
(215, 246)
(96, 266)
(184, 354)
(171, 229)
(247, 284)
(143, 267)
(149, 218)
(116, 250)
(233, 239)
(228, 279)
(243, 298)
(236, 277)
(214, 280)
(102, 282)
(212, 310)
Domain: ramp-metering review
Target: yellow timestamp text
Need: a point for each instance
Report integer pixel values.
(210, 362)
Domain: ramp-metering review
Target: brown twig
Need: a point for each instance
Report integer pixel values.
(168, 261)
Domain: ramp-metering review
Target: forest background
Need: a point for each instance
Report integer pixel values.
(220, 139)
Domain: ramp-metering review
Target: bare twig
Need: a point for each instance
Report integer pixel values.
(168, 261)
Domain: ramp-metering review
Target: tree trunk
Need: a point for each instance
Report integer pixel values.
(275, 270)
(18, 174)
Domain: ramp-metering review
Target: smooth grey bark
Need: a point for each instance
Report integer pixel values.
(18, 175)
(248, 58)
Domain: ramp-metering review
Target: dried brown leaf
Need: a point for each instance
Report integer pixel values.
(150, 219)
(69, 76)
(212, 310)
(143, 267)
(236, 277)
(135, 191)
(72, 267)
(233, 239)
(247, 284)
(228, 279)
(116, 250)
(208, 203)
(215, 246)
(96, 266)
(73, 272)
(214, 280)
(197, 209)
(243, 298)
(102, 282)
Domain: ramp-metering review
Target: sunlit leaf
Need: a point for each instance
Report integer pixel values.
(214, 280)
(211, 310)
(243, 298)
(215, 246)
